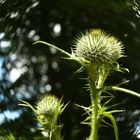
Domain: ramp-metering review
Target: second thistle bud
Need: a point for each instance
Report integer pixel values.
(47, 110)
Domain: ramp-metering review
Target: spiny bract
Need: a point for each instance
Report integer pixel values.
(48, 109)
(48, 105)
(96, 46)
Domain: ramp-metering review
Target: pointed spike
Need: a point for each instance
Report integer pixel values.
(106, 123)
(116, 111)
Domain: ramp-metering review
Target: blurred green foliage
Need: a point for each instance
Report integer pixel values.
(28, 72)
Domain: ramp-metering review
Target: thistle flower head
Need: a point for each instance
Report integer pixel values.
(96, 46)
(47, 110)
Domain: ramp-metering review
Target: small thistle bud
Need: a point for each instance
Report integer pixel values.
(98, 47)
(47, 110)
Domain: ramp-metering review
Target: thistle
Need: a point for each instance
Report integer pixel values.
(97, 53)
(47, 112)
(95, 46)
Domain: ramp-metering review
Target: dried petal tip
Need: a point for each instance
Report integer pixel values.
(97, 47)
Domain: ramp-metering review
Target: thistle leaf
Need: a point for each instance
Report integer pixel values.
(26, 104)
(126, 91)
(116, 111)
(108, 124)
(69, 56)
(53, 46)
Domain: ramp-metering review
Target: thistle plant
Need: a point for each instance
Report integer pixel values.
(47, 112)
(98, 53)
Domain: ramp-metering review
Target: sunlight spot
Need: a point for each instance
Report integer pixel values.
(57, 29)
(48, 87)
(13, 57)
(27, 10)
(36, 37)
(16, 73)
(31, 33)
(2, 1)
(9, 115)
(33, 59)
(31, 7)
(1, 68)
(5, 44)
(2, 35)
(136, 76)
(12, 92)
(2, 117)
(32, 129)
(137, 129)
(54, 65)
(138, 136)
(27, 23)
(53, 50)
(33, 36)
(1, 97)
(133, 25)
(35, 4)
(45, 133)
(14, 14)
(44, 78)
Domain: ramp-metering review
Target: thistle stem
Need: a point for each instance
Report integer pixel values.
(95, 93)
(56, 135)
(94, 121)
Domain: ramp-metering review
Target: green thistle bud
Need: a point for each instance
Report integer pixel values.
(96, 46)
(47, 110)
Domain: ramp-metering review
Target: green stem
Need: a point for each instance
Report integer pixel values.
(115, 127)
(94, 122)
(96, 80)
(95, 109)
(56, 135)
(110, 116)
(55, 129)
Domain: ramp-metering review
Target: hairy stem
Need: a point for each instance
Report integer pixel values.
(95, 93)
(56, 135)
(96, 82)
(94, 121)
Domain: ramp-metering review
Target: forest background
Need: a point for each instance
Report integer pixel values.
(28, 72)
